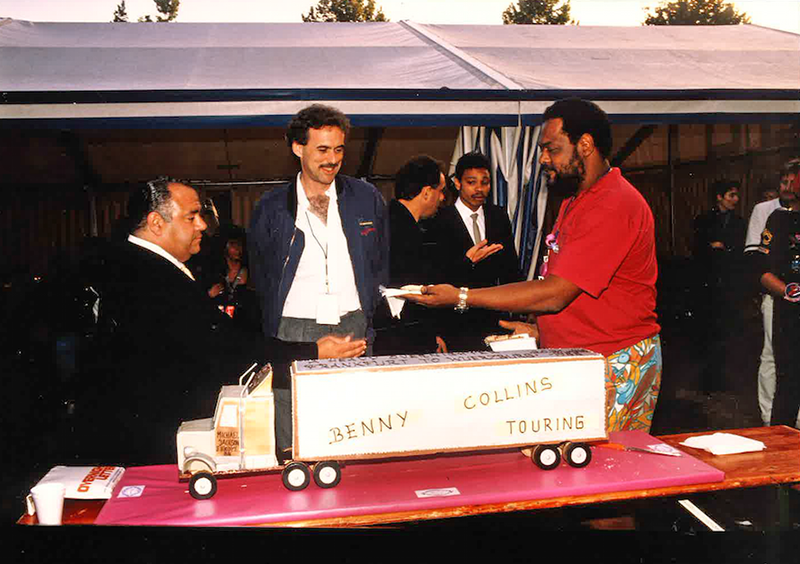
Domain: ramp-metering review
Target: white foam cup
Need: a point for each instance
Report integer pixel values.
(49, 502)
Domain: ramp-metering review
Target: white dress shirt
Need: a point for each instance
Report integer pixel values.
(160, 251)
(466, 217)
(324, 245)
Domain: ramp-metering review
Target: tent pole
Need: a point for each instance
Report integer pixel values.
(672, 140)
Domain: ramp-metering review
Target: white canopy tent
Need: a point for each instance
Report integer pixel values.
(211, 75)
(389, 73)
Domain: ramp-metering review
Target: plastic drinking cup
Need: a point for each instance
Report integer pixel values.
(49, 502)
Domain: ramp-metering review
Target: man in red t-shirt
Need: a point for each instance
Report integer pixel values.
(597, 285)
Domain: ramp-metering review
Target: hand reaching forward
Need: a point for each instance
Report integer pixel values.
(483, 250)
(440, 295)
(336, 346)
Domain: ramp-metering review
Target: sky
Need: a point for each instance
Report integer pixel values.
(777, 14)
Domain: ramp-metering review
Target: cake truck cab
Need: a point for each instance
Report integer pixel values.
(550, 402)
(239, 438)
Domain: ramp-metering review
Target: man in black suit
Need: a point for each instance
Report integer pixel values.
(419, 191)
(171, 349)
(475, 249)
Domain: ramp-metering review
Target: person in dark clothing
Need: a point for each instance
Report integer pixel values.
(171, 349)
(719, 236)
(475, 249)
(225, 276)
(720, 228)
(419, 191)
(779, 255)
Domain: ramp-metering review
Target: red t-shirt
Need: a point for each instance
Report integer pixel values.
(606, 246)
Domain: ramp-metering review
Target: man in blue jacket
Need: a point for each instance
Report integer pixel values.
(319, 245)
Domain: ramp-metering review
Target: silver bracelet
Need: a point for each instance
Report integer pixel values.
(462, 306)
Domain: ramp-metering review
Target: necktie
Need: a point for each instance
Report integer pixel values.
(476, 230)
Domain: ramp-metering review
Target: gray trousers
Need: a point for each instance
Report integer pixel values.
(307, 331)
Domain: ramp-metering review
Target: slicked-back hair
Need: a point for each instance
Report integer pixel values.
(413, 176)
(475, 159)
(315, 116)
(152, 196)
(580, 116)
(721, 187)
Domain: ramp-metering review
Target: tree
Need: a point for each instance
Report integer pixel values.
(168, 9)
(537, 12)
(121, 13)
(696, 12)
(345, 11)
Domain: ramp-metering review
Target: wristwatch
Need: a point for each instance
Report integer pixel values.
(462, 306)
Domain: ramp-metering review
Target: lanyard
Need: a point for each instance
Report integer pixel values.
(552, 240)
(324, 252)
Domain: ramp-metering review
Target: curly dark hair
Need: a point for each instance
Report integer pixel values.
(582, 116)
(315, 116)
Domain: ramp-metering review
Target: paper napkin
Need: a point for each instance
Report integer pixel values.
(396, 304)
(724, 443)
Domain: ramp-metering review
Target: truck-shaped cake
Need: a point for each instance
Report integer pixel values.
(550, 402)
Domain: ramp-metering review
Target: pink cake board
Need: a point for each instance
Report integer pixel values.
(152, 495)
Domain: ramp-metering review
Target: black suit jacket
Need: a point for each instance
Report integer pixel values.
(170, 352)
(411, 261)
(466, 331)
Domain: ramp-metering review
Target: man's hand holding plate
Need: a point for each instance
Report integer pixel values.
(440, 295)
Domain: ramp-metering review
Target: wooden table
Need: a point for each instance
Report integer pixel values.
(778, 464)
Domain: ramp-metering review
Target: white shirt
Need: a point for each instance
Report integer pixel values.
(466, 217)
(321, 240)
(758, 221)
(161, 252)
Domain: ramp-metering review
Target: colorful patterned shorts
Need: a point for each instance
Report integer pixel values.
(633, 380)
